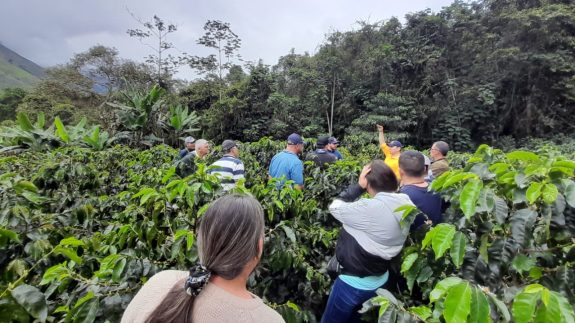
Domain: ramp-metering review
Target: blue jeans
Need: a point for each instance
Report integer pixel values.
(344, 302)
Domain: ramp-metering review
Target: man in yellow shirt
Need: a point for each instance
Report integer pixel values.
(391, 152)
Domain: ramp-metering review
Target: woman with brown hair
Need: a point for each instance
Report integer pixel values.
(230, 244)
(370, 238)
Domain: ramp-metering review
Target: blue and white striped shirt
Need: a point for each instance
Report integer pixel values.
(229, 169)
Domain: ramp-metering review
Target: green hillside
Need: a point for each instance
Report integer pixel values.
(17, 71)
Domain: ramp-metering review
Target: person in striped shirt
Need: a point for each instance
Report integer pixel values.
(228, 168)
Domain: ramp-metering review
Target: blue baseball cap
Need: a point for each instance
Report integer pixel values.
(395, 143)
(294, 139)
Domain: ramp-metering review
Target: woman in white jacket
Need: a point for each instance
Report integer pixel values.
(371, 236)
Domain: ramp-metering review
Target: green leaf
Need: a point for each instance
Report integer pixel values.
(17, 266)
(549, 193)
(24, 122)
(86, 313)
(189, 241)
(551, 311)
(289, 233)
(423, 312)
(457, 179)
(457, 303)
(442, 287)
(442, 239)
(566, 309)
(480, 310)
(57, 272)
(524, 306)
(534, 191)
(570, 194)
(535, 273)
(428, 238)
(31, 299)
(522, 263)
(523, 156)
(457, 251)
(72, 241)
(70, 253)
(61, 130)
(500, 307)
(9, 234)
(118, 270)
(22, 186)
(408, 262)
(84, 299)
(10, 311)
(34, 198)
(564, 163)
(501, 210)
(469, 196)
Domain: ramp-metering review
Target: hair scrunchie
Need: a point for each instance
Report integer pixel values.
(197, 280)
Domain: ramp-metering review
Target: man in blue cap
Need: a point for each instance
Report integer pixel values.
(287, 163)
(332, 144)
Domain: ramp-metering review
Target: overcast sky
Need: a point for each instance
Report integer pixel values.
(49, 32)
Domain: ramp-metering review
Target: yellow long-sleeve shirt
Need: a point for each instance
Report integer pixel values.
(392, 162)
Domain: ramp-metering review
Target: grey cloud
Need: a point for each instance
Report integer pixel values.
(50, 32)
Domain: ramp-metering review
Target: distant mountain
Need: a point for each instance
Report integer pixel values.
(17, 71)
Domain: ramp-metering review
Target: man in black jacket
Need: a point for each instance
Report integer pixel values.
(321, 156)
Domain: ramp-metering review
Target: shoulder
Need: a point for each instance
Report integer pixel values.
(167, 277)
(151, 294)
(270, 314)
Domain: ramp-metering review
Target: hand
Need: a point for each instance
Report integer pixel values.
(379, 128)
(362, 180)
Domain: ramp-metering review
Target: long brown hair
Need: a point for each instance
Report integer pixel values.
(228, 238)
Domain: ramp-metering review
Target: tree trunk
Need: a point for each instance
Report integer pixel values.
(330, 124)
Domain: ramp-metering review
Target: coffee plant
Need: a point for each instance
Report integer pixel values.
(83, 226)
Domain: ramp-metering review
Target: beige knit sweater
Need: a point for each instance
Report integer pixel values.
(212, 305)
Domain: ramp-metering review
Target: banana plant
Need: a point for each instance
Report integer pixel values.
(26, 135)
(180, 123)
(95, 139)
(139, 115)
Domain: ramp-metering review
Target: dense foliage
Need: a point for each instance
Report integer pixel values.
(82, 229)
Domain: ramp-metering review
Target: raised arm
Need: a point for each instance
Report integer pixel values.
(382, 143)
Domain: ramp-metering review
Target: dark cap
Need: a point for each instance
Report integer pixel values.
(333, 140)
(395, 143)
(322, 141)
(295, 139)
(228, 144)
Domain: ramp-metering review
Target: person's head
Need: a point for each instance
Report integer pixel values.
(230, 236)
(295, 143)
(202, 147)
(230, 243)
(322, 142)
(381, 178)
(439, 150)
(230, 147)
(411, 164)
(190, 143)
(332, 143)
(395, 147)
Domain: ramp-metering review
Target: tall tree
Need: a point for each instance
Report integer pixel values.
(219, 36)
(158, 31)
